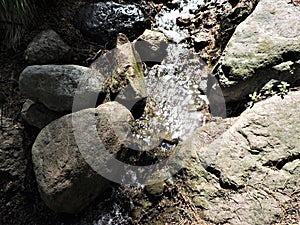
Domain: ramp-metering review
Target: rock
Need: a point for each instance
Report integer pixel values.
(47, 48)
(38, 115)
(67, 181)
(56, 85)
(245, 175)
(103, 21)
(151, 46)
(200, 42)
(240, 10)
(265, 46)
(125, 69)
(128, 79)
(12, 159)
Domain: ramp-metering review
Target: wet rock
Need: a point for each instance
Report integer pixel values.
(38, 115)
(47, 48)
(151, 46)
(56, 85)
(103, 21)
(245, 175)
(265, 46)
(66, 150)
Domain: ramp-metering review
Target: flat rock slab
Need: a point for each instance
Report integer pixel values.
(265, 46)
(124, 68)
(245, 175)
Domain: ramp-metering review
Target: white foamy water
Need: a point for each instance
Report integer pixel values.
(166, 19)
(174, 98)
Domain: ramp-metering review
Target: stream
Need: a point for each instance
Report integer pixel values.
(175, 107)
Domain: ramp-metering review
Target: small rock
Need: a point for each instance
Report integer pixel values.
(151, 46)
(125, 69)
(200, 42)
(47, 48)
(156, 189)
(38, 115)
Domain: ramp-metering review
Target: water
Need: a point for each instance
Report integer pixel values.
(175, 104)
(166, 19)
(116, 216)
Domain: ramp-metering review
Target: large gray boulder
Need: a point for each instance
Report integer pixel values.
(62, 158)
(47, 48)
(265, 46)
(56, 85)
(246, 175)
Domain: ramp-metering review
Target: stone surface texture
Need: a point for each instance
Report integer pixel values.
(263, 47)
(55, 86)
(103, 21)
(12, 159)
(38, 115)
(47, 48)
(67, 183)
(245, 175)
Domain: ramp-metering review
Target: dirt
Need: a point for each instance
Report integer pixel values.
(22, 205)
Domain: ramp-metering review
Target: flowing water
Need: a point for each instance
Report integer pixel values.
(176, 103)
(166, 20)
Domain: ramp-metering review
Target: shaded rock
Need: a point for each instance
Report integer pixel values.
(265, 46)
(241, 9)
(245, 175)
(47, 48)
(63, 161)
(38, 115)
(56, 85)
(151, 46)
(200, 42)
(103, 21)
(12, 159)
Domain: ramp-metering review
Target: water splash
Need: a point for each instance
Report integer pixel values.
(166, 19)
(174, 103)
